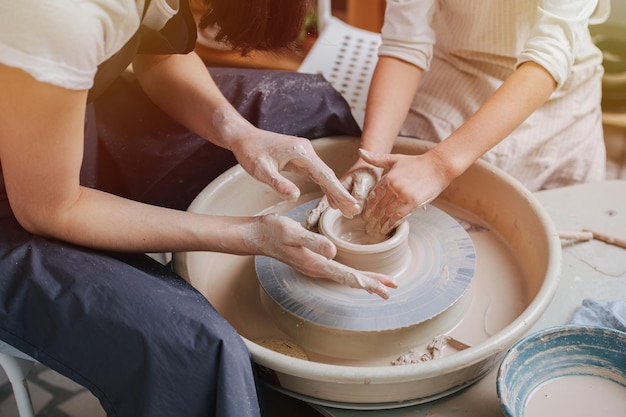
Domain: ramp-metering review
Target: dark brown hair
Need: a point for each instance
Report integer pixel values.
(247, 25)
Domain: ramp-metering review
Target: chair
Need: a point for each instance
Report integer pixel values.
(345, 55)
(17, 365)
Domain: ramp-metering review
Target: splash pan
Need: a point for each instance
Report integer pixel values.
(518, 258)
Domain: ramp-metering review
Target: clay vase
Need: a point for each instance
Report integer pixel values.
(355, 248)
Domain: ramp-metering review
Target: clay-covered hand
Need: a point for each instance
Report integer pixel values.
(266, 154)
(410, 182)
(310, 253)
(360, 180)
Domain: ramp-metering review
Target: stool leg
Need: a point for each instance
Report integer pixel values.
(17, 369)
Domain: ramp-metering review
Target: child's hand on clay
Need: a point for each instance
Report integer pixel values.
(411, 181)
(310, 253)
(359, 181)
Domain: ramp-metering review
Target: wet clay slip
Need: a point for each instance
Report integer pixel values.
(577, 396)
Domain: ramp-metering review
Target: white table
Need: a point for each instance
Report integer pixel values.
(591, 269)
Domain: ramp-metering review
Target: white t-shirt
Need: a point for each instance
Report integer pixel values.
(62, 42)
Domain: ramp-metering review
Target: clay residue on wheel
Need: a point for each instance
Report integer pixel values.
(283, 346)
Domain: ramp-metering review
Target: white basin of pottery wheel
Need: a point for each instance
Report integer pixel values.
(517, 265)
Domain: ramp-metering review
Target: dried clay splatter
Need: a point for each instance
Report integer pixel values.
(433, 350)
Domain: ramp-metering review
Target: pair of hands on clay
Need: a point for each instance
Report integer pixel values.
(310, 253)
(389, 187)
(264, 156)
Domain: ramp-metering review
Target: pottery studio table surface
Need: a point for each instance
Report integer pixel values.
(591, 269)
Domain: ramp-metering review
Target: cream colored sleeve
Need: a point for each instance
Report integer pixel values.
(62, 42)
(560, 28)
(407, 33)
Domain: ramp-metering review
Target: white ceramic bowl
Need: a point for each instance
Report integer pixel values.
(561, 354)
(230, 283)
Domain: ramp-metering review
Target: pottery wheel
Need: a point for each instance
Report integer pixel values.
(442, 266)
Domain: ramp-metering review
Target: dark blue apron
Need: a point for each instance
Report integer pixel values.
(134, 333)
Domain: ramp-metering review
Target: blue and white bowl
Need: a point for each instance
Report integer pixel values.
(559, 352)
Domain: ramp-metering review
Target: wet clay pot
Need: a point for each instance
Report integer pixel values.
(385, 254)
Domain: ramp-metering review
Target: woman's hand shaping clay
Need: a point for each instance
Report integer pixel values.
(411, 181)
(265, 154)
(310, 253)
(359, 181)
